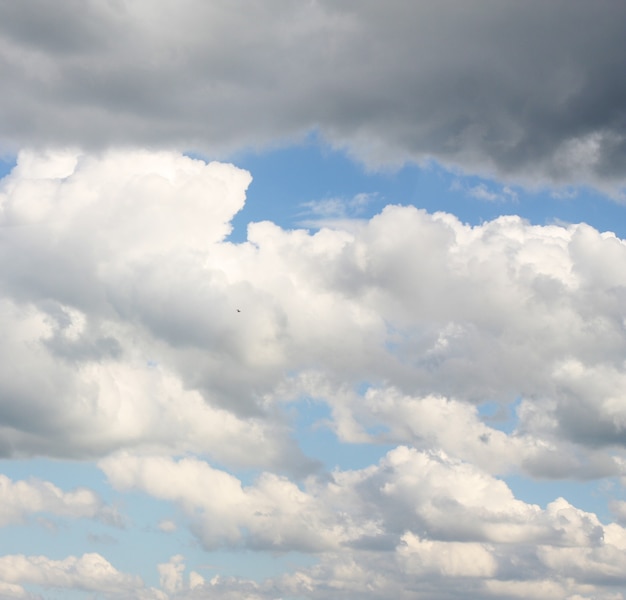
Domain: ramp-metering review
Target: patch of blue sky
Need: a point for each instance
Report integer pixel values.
(135, 547)
(289, 183)
(6, 164)
(60, 594)
(144, 513)
(592, 496)
(58, 538)
(315, 435)
(497, 415)
(135, 551)
(248, 564)
(64, 474)
(138, 546)
(363, 387)
(42, 534)
(485, 200)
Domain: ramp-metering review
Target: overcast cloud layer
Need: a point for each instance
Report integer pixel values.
(174, 356)
(529, 91)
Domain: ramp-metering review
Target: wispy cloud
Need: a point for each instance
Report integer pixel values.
(334, 212)
(338, 207)
(482, 191)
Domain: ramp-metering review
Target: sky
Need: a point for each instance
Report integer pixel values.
(306, 300)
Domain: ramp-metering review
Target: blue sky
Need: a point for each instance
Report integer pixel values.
(312, 300)
(286, 179)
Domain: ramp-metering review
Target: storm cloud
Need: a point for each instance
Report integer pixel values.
(530, 92)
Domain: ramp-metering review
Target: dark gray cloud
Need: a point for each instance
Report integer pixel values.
(531, 92)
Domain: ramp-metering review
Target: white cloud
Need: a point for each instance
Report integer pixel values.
(482, 192)
(274, 512)
(167, 526)
(618, 509)
(89, 572)
(408, 491)
(21, 499)
(332, 209)
(120, 299)
(449, 559)
(12, 590)
(171, 574)
(111, 301)
(415, 523)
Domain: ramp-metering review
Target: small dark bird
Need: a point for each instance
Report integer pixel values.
(238, 310)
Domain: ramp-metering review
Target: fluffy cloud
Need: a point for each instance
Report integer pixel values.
(20, 499)
(275, 512)
(408, 524)
(122, 340)
(530, 92)
(88, 572)
(411, 491)
(135, 333)
(120, 298)
(112, 307)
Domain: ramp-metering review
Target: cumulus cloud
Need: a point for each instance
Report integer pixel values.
(122, 340)
(20, 499)
(530, 92)
(444, 498)
(171, 574)
(275, 512)
(121, 295)
(89, 572)
(415, 519)
(111, 305)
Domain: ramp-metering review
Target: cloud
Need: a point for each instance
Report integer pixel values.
(111, 308)
(335, 213)
(120, 297)
(12, 590)
(20, 499)
(136, 334)
(167, 526)
(276, 514)
(171, 574)
(463, 85)
(445, 498)
(335, 208)
(384, 415)
(482, 192)
(416, 523)
(89, 572)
